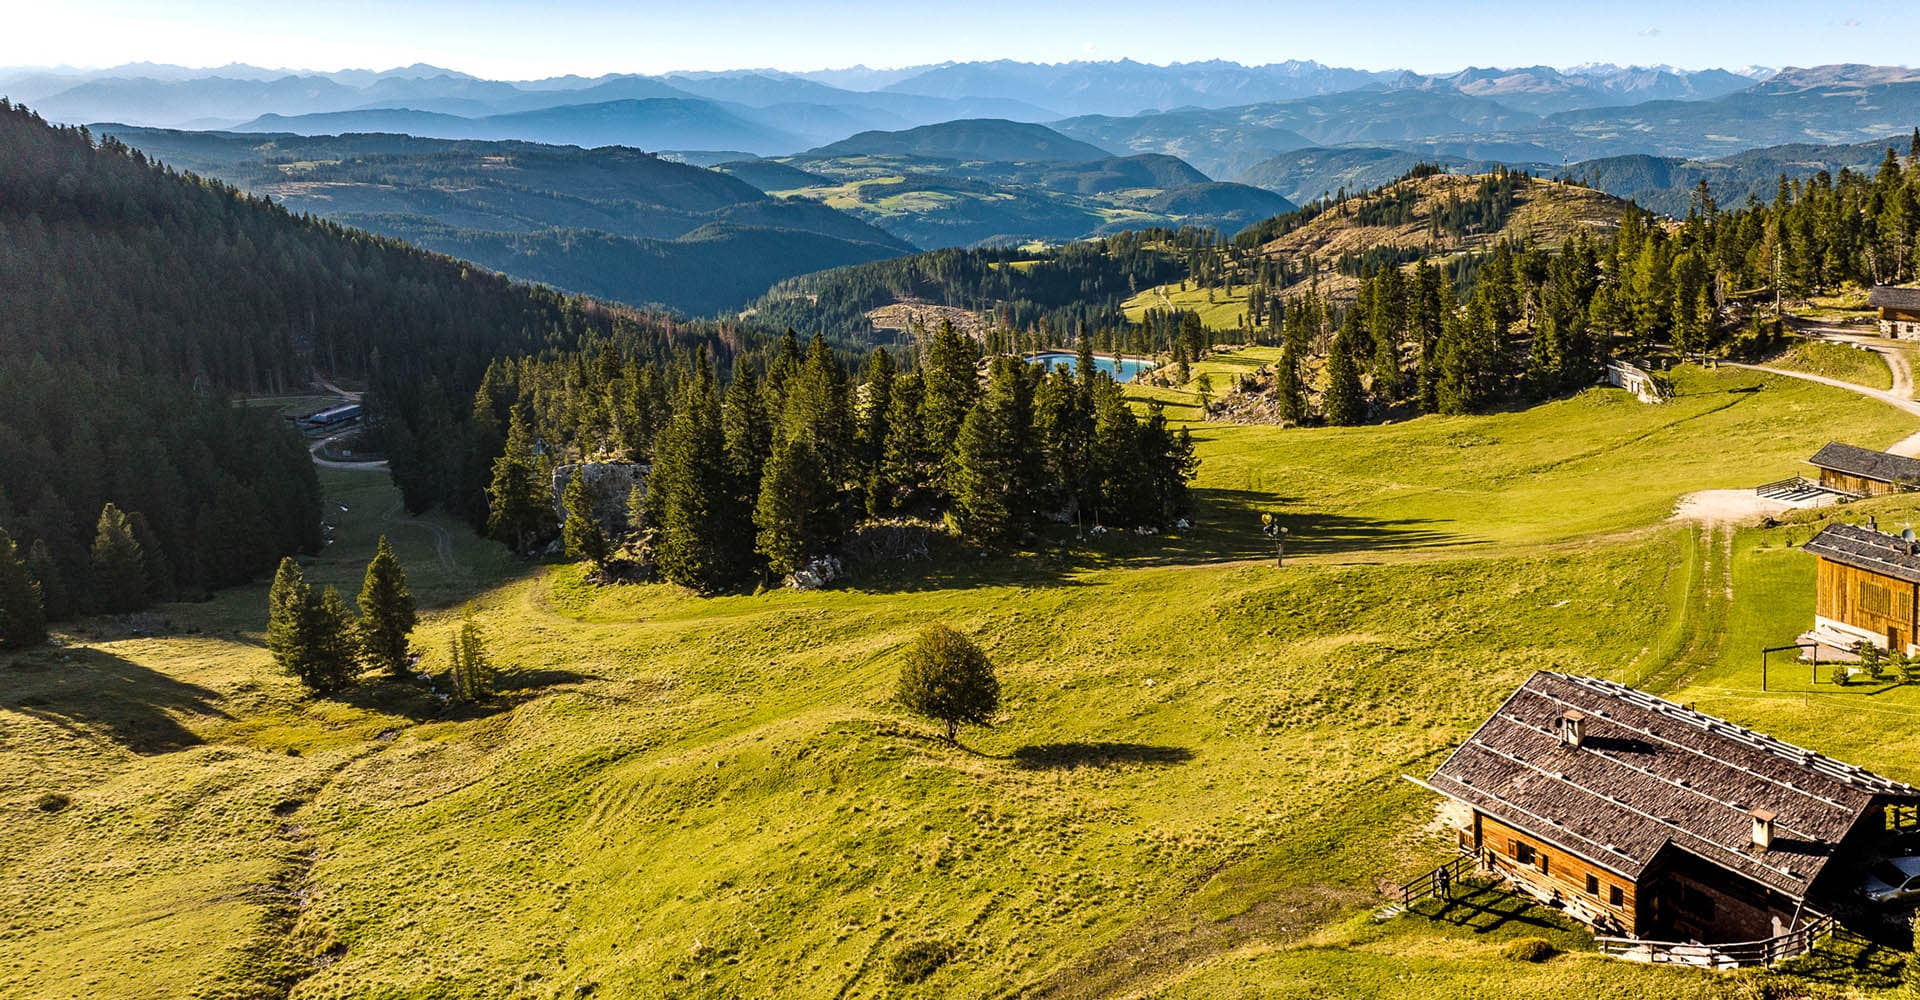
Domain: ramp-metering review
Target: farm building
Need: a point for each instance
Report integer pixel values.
(334, 416)
(1899, 311)
(1654, 822)
(1862, 472)
(1867, 587)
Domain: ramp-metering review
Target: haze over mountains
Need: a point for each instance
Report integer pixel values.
(820, 169)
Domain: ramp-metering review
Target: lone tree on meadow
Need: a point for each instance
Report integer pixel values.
(947, 678)
(387, 612)
(22, 618)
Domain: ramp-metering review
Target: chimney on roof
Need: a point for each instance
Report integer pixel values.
(1573, 728)
(1762, 828)
(1873, 523)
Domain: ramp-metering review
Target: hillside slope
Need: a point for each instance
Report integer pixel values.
(608, 222)
(976, 139)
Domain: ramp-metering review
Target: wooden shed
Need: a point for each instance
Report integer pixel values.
(1863, 472)
(1867, 586)
(1647, 819)
(1899, 311)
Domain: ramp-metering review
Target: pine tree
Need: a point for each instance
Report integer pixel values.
(471, 673)
(947, 678)
(581, 530)
(22, 615)
(518, 511)
(793, 499)
(119, 573)
(387, 612)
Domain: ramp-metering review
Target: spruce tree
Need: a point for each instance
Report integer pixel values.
(581, 531)
(22, 615)
(992, 481)
(950, 384)
(120, 579)
(311, 636)
(1344, 405)
(905, 461)
(518, 511)
(387, 612)
(690, 496)
(749, 434)
(876, 390)
(45, 571)
(285, 600)
(153, 557)
(328, 639)
(793, 495)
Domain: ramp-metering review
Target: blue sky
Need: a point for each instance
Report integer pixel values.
(506, 39)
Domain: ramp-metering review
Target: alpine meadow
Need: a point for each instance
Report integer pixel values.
(1062, 504)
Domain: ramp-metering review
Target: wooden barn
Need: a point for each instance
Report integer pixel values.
(1867, 587)
(1899, 311)
(1863, 472)
(1651, 821)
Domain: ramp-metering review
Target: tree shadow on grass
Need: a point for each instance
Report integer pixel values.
(1067, 756)
(1483, 908)
(90, 692)
(1226, 529)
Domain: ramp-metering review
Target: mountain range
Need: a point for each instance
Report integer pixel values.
(613, 222)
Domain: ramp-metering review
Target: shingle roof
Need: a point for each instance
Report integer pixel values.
(1650, 773)
(1878, 466)
(1865, 548)
(1889, 297)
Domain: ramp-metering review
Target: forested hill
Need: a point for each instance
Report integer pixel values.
(136, 297)
(614, 222)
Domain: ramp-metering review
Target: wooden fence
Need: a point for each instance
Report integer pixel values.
(1722, 956)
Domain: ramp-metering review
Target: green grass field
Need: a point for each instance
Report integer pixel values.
(1193, 789)
(1835, 360)
(1222, 312)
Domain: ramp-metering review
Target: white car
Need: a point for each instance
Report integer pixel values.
(1895, 880)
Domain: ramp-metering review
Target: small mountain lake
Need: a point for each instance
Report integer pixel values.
(1122, 369)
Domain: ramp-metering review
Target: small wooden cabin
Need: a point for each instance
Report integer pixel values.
(1899, 311)
(1863, 472)
(1867, 586)
(1647, 819)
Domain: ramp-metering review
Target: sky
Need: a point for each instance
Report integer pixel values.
(510, 39)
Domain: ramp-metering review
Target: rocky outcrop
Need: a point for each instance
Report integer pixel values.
(608, 483)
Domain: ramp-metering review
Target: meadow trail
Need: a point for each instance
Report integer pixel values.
(1909, 446)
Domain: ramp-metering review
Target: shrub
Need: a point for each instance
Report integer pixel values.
(920, 959)
(1530, 949)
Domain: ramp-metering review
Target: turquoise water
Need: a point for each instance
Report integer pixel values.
(1122, 369)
